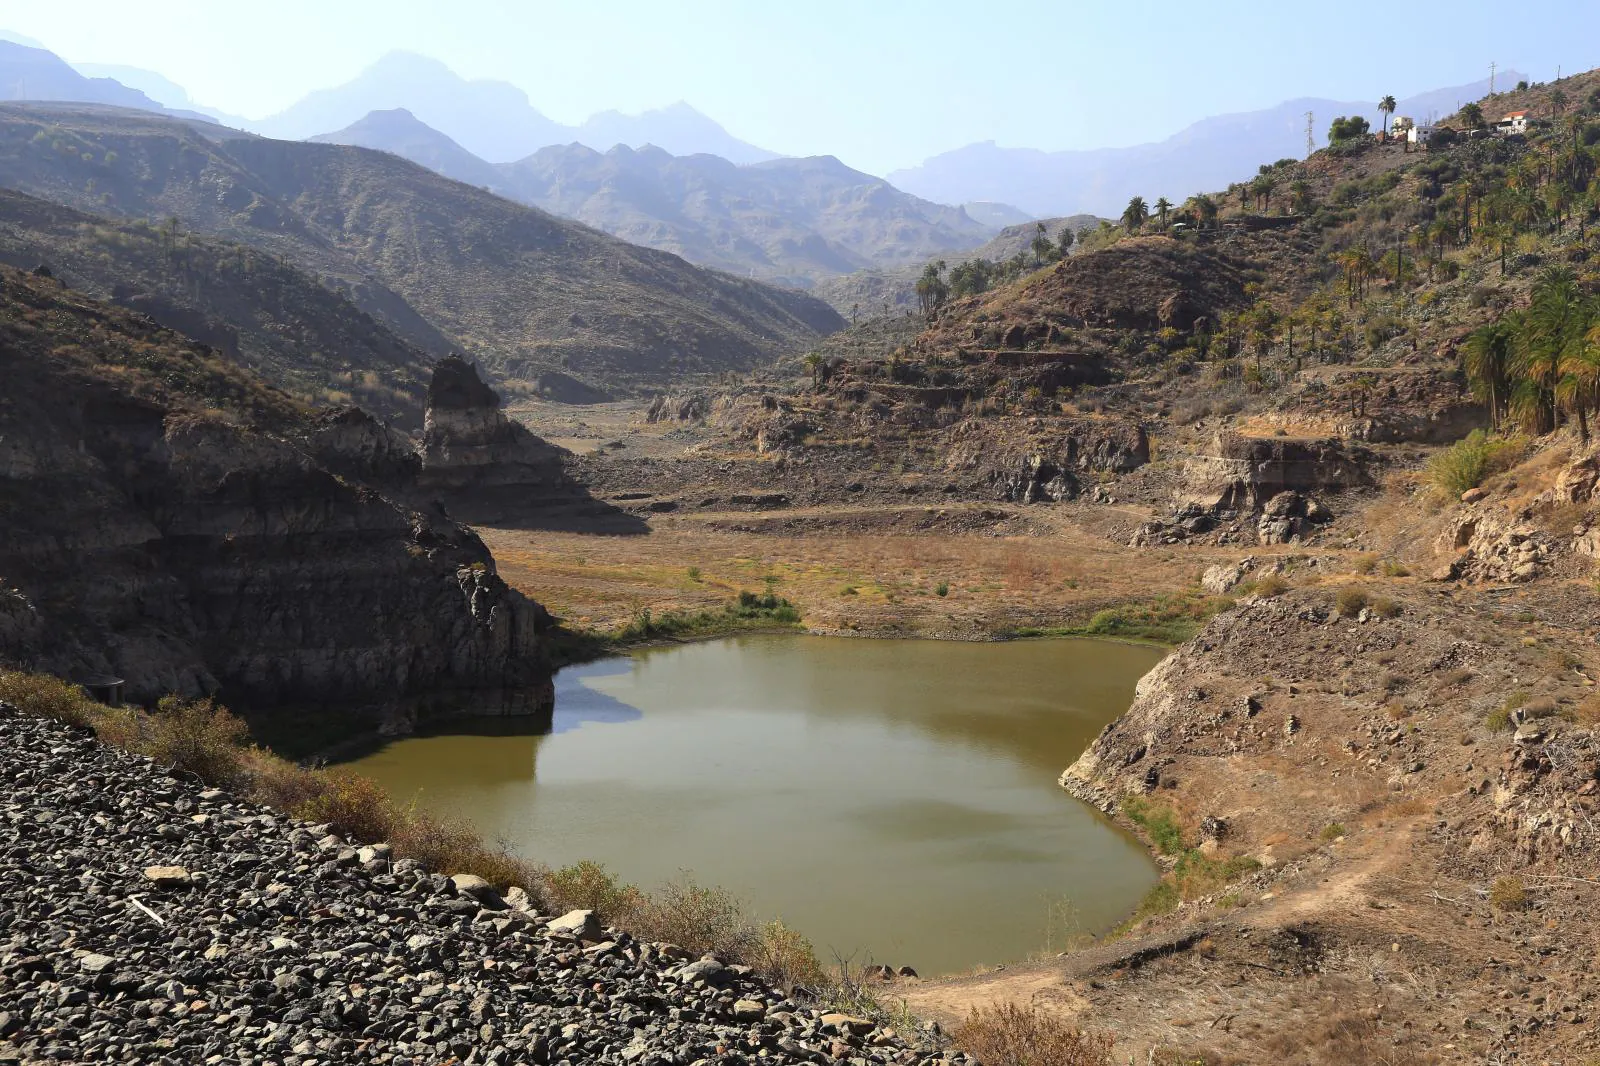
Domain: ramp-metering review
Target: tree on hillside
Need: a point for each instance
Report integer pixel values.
(1065, 240)
(1558, 102)
(1551, 330)
(1134, 214)
(1041, 245)
(1263, 187)
(1471, 117)
(1486, 358)
(1300, 196)
(1205, 209)
(1387, 106)
(932, 291)
(1163, 209)
(1348, 128)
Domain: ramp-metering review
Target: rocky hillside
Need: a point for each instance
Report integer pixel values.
(522, 291)
(149, 920)
(252, 307)
(173, 521)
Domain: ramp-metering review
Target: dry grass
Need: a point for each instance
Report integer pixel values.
(1010, 1035)
(992, 583)
(1508, 894)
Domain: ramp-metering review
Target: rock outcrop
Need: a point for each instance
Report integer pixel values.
(474, 457)
(1243, 473)
(169, 520)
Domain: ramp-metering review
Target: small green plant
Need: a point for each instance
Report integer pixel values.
(1158, 821)
(1391, 568)
(942, 590)
(1466, 463)
(694, 573)
(1332, 831)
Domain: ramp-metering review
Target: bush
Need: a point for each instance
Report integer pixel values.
(943, 590)
(1508, 894)
(1332, 831)
(786, 958)
(1006, 1034)
(356, 806)
(197, 737)
(1350, 601)
(587, 885)
(1383, 607)
(1467, 462)
(44, 696)
(697, 918)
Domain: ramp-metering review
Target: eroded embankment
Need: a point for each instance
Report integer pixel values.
(149, 920)
(1369, 853)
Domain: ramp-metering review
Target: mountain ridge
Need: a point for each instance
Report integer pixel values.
(523, 291)
(1208, 153)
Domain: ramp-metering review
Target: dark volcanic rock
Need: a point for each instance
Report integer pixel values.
(192, 531)
(272, 948)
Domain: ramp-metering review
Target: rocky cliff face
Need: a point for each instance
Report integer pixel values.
(173, 522)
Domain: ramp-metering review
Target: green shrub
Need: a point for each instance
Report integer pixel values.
(1332, 831)
(587, 885)
(1383, 607)
(1467, 462)
(943, 590)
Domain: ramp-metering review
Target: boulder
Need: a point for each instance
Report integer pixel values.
(581, 924)
(474, 887)
(1473, 495)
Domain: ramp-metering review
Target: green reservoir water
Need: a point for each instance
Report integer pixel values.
(895, 800)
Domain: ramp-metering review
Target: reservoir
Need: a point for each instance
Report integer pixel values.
(894, 800)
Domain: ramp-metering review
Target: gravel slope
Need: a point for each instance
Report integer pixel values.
(278, 944)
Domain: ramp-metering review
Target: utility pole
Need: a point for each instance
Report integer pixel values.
(1311, 140)
(1491, 77)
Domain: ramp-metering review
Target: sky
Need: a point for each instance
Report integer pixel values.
(881, 84)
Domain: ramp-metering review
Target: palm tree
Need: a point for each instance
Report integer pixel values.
(1387, 106)
(1041, 244)
(1163, 207)
(1064, 242)
(1300, 196)
(1471, 116)
(1134, 214)
(1578, 390)
(1487, 360)
(1552, 330)
(1263, 187)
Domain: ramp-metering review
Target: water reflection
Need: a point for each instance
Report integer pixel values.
(896, 798)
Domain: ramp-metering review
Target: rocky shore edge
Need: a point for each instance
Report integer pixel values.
(146, 918)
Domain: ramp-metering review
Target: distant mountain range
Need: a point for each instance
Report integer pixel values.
(29, 73)
(493, 119)
(435, 262)
(793, 221)
(1205, 156)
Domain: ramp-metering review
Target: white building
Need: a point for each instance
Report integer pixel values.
(1514, 122)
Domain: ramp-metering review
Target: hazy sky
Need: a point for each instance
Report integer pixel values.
(879, 83)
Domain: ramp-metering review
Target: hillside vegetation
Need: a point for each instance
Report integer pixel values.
(254, 308)
(522, 291)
